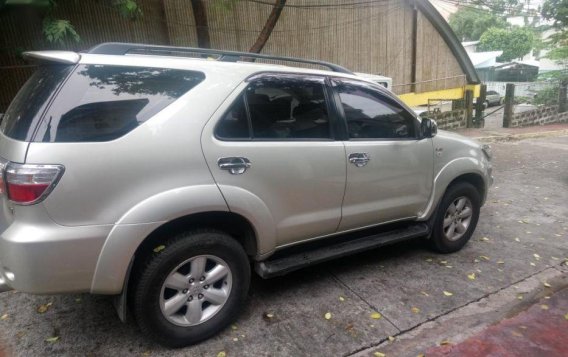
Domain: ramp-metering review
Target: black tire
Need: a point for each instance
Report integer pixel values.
(148, 287)
(438, 240)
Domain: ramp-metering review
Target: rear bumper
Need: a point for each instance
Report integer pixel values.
(47, 258)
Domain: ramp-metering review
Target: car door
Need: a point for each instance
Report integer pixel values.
(276, 142)
(390, 168)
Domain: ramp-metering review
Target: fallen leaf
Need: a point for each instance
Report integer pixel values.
(43, 308)
(235, 339)
(376, 315)
(517, 239)
(147, 353)
(341, 298)
(78, 300)
(4, 317)
(234, 327)
(420, 355)
(566, 316)
(484, 257)
(415, 310)
(267, 316)
(443, 262)
(348, 327)
(445, 342)
(222, 354)
(554, 258)
(447, 293)
(471, 276)
(544, 307)
(429, 259)
(424, 293)
(327, 315)
(379, 354)
(536, 256)
(52, 339)
(533, 264)
(392, 338)
(159, 248)
(520, 297)
(517, 334)
(500, 262)
(484, 239)
(547, 285)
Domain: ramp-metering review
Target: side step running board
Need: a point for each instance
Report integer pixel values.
(289, 263)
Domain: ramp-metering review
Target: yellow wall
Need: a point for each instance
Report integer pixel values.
(417, 99)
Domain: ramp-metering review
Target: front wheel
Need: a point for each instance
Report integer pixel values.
(456, 218)
(192, 288)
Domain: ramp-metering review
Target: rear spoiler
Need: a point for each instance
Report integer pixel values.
(63, 57)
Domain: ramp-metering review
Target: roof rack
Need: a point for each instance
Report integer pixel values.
(119, 48)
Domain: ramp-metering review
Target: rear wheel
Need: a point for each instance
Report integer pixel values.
(192, 288)
(456, 218)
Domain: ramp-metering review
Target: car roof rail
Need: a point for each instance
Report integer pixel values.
(119, 48)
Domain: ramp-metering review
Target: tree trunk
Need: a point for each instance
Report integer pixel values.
(268, 26)
(201, 27)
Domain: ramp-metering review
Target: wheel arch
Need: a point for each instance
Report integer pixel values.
(231, 223)
(475, 179)
(459, 170)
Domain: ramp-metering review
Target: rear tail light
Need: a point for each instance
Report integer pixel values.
(27, 184)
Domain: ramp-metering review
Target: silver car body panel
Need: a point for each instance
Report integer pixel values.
(395, 183)
(13, 150)
(114, 194)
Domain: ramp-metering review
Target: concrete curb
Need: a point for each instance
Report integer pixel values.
(516, 137)
(474, 317)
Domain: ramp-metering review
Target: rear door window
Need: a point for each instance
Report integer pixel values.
(103, 103)
(285, 107)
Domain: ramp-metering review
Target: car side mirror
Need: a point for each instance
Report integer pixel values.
(428, 128)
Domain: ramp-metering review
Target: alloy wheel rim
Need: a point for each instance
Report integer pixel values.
(457, 218)
(195, 290)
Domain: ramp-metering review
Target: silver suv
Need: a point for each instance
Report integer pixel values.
(147, 173)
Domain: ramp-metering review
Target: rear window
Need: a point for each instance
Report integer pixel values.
(24, 112)
(102, 103)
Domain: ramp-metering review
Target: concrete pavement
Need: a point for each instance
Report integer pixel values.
(423, 298)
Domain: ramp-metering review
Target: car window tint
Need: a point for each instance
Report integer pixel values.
(102, 103)
(234, 124)
(370, 115)
(288, 108)
(22, 116)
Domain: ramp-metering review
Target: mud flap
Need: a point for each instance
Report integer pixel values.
(119, 301)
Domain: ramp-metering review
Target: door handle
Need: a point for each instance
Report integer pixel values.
(359, 159)
(235, 165)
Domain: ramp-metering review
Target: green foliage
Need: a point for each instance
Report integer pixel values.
(128, 8)
(58, 31)
(469, 24)
(556, 10)
(514, 43)
(546, 96)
